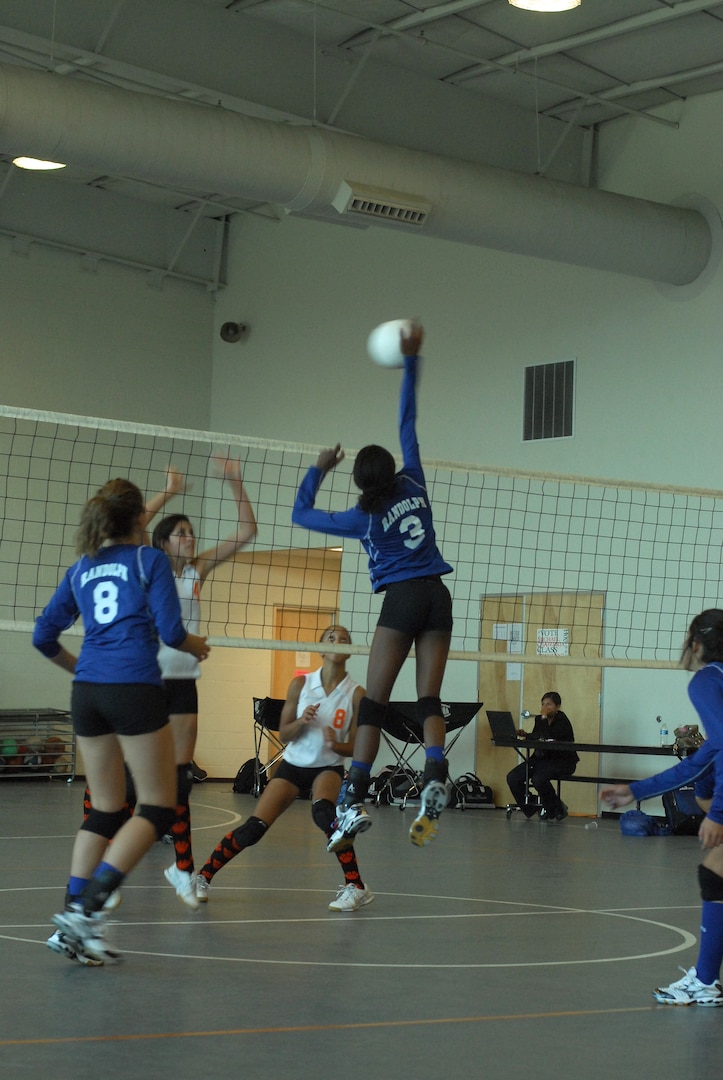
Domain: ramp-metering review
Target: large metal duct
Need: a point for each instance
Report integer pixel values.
(318, 173)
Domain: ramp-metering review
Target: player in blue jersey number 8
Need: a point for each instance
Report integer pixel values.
(126, 597)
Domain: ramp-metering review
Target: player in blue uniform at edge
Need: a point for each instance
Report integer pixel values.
(126, 596)
(703, 655)
(393, 521)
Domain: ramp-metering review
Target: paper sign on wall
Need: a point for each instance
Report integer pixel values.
(555, 642)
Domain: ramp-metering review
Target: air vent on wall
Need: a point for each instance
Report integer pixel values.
(394, 207)
(549, 400)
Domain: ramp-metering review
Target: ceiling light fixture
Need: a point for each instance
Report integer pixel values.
(37, 164)
(546, 5)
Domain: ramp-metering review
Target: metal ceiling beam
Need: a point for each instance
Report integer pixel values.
(587, 37)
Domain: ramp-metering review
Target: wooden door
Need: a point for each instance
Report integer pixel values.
(511, 626)
(296, 624)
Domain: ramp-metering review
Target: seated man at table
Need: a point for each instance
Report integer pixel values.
(546, 763)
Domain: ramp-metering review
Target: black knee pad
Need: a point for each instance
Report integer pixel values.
(103, 824)
(711, 884)
(428, 706)
(371, 713)
(184, 781)
(323, 812)
(250, 832)
(160, 817)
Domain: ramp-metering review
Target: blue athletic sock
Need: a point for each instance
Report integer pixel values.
(710, 953)
(362, 766)
(106, 866)
(76, 886)
(436, 753)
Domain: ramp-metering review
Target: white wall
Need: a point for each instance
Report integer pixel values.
(104, 343)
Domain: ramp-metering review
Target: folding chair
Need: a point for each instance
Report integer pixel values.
(401, 726)
(267, 717)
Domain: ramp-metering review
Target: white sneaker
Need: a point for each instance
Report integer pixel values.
(690, 991)
(351, 898)
(114, 901)
(348, 823)
(61, 943)
(86, 935)
(202, 887)
(184, 884)
(425, 825)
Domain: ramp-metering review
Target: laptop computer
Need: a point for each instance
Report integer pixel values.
(502, 725)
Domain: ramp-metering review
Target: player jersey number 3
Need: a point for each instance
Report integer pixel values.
(105, 602)
(412, 526)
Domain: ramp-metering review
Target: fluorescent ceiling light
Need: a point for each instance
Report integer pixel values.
(546, 5)
(37, 164)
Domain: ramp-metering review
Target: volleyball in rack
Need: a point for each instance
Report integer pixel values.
(384, 342)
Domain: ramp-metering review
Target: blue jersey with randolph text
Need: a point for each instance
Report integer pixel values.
(705, 691)
(126, 597)
(399, 541)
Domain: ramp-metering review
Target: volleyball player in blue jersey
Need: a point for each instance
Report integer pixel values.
(703, 655)
(393, 521)
(126, 597)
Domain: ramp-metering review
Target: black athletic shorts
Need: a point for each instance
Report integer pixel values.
(303, 778)
(416, 605)
(120, 708)
(181, 696)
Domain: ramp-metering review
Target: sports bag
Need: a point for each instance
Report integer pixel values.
(246, 778)
(682, 811)
(394, 782)
(638, 823)
(469, 791)
(687, 739)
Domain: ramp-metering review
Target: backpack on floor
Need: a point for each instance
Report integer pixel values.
(246, 778)
(393, 783)
(682, 811)
(469, 791)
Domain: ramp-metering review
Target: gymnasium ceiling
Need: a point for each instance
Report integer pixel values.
(471, 79)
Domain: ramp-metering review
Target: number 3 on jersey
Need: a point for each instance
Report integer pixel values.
(414, 529)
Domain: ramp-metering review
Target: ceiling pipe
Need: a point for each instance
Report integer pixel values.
(303, 169)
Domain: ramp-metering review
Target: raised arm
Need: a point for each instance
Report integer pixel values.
(231, 471)
(175, 485)
(410, 347)
(344, 523)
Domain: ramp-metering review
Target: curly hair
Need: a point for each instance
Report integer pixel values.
(112, 512)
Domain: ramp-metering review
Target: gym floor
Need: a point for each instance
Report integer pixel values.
(509, 948)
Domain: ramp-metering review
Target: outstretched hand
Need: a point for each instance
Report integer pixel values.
(230, 468)
(329, 459)
(616, 795)
(411, 344)
(175, 481)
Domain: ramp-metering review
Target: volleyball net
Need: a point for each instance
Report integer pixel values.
(581, 570)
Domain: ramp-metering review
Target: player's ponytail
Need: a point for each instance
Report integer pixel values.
(706, 628)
